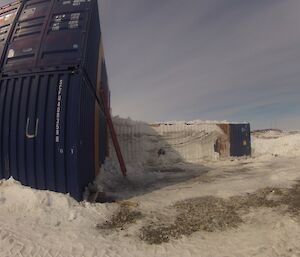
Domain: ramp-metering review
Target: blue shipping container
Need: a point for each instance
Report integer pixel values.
(240, 140)
(8, 14)
(48, 113)
(47, 131)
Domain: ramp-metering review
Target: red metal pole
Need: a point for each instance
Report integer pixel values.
(113, 132)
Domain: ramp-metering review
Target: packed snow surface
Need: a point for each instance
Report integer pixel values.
(251, 207)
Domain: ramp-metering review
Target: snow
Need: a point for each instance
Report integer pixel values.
(48, 224)
(140, 142)
(195, 122)
(282, 144)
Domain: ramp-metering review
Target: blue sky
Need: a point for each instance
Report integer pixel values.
(204, 59)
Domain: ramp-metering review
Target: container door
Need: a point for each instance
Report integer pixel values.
(49, 139)
(38, 127)
(62, 85)
(7, 16)
(50, 157)
(86, 163)
(40, 142)
(32, 131)
(57, 112)
(52, 114)
(68, 21)
(26, 38)
(36, 111)
(14, 101)
(72, 137)
(240, 143)
(21, 129)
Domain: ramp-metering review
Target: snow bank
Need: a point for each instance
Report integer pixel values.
(199, 122)
(276, 143)
(166, 143)
(42, 223)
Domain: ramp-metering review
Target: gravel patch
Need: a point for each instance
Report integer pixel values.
(204, 213)
(123, 217)
(207, 213)
(291, 198)
(216, 214)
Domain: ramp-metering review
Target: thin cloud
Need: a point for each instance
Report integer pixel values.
(194, 59)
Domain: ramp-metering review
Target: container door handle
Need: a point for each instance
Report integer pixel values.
(28, 135)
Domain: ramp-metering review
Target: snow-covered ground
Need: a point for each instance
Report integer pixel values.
(238, 207)
(276, 143)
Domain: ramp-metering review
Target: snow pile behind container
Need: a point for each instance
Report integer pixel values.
(282, 143)
(166, 143)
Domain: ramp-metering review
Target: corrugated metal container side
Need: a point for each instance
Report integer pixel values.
(53, 136)
(222, 146)
(54, 34)
(93, 45)
(47, 137)
(26, 38)
(240, 140)
(8, 14)
(103, 138)
(104, 82)
(104, 133)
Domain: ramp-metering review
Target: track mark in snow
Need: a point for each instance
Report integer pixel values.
(12, 245)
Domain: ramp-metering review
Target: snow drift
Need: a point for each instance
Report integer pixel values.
(275, 143)
(165, 143)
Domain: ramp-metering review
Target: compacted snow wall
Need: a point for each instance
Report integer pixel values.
(150, 144)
